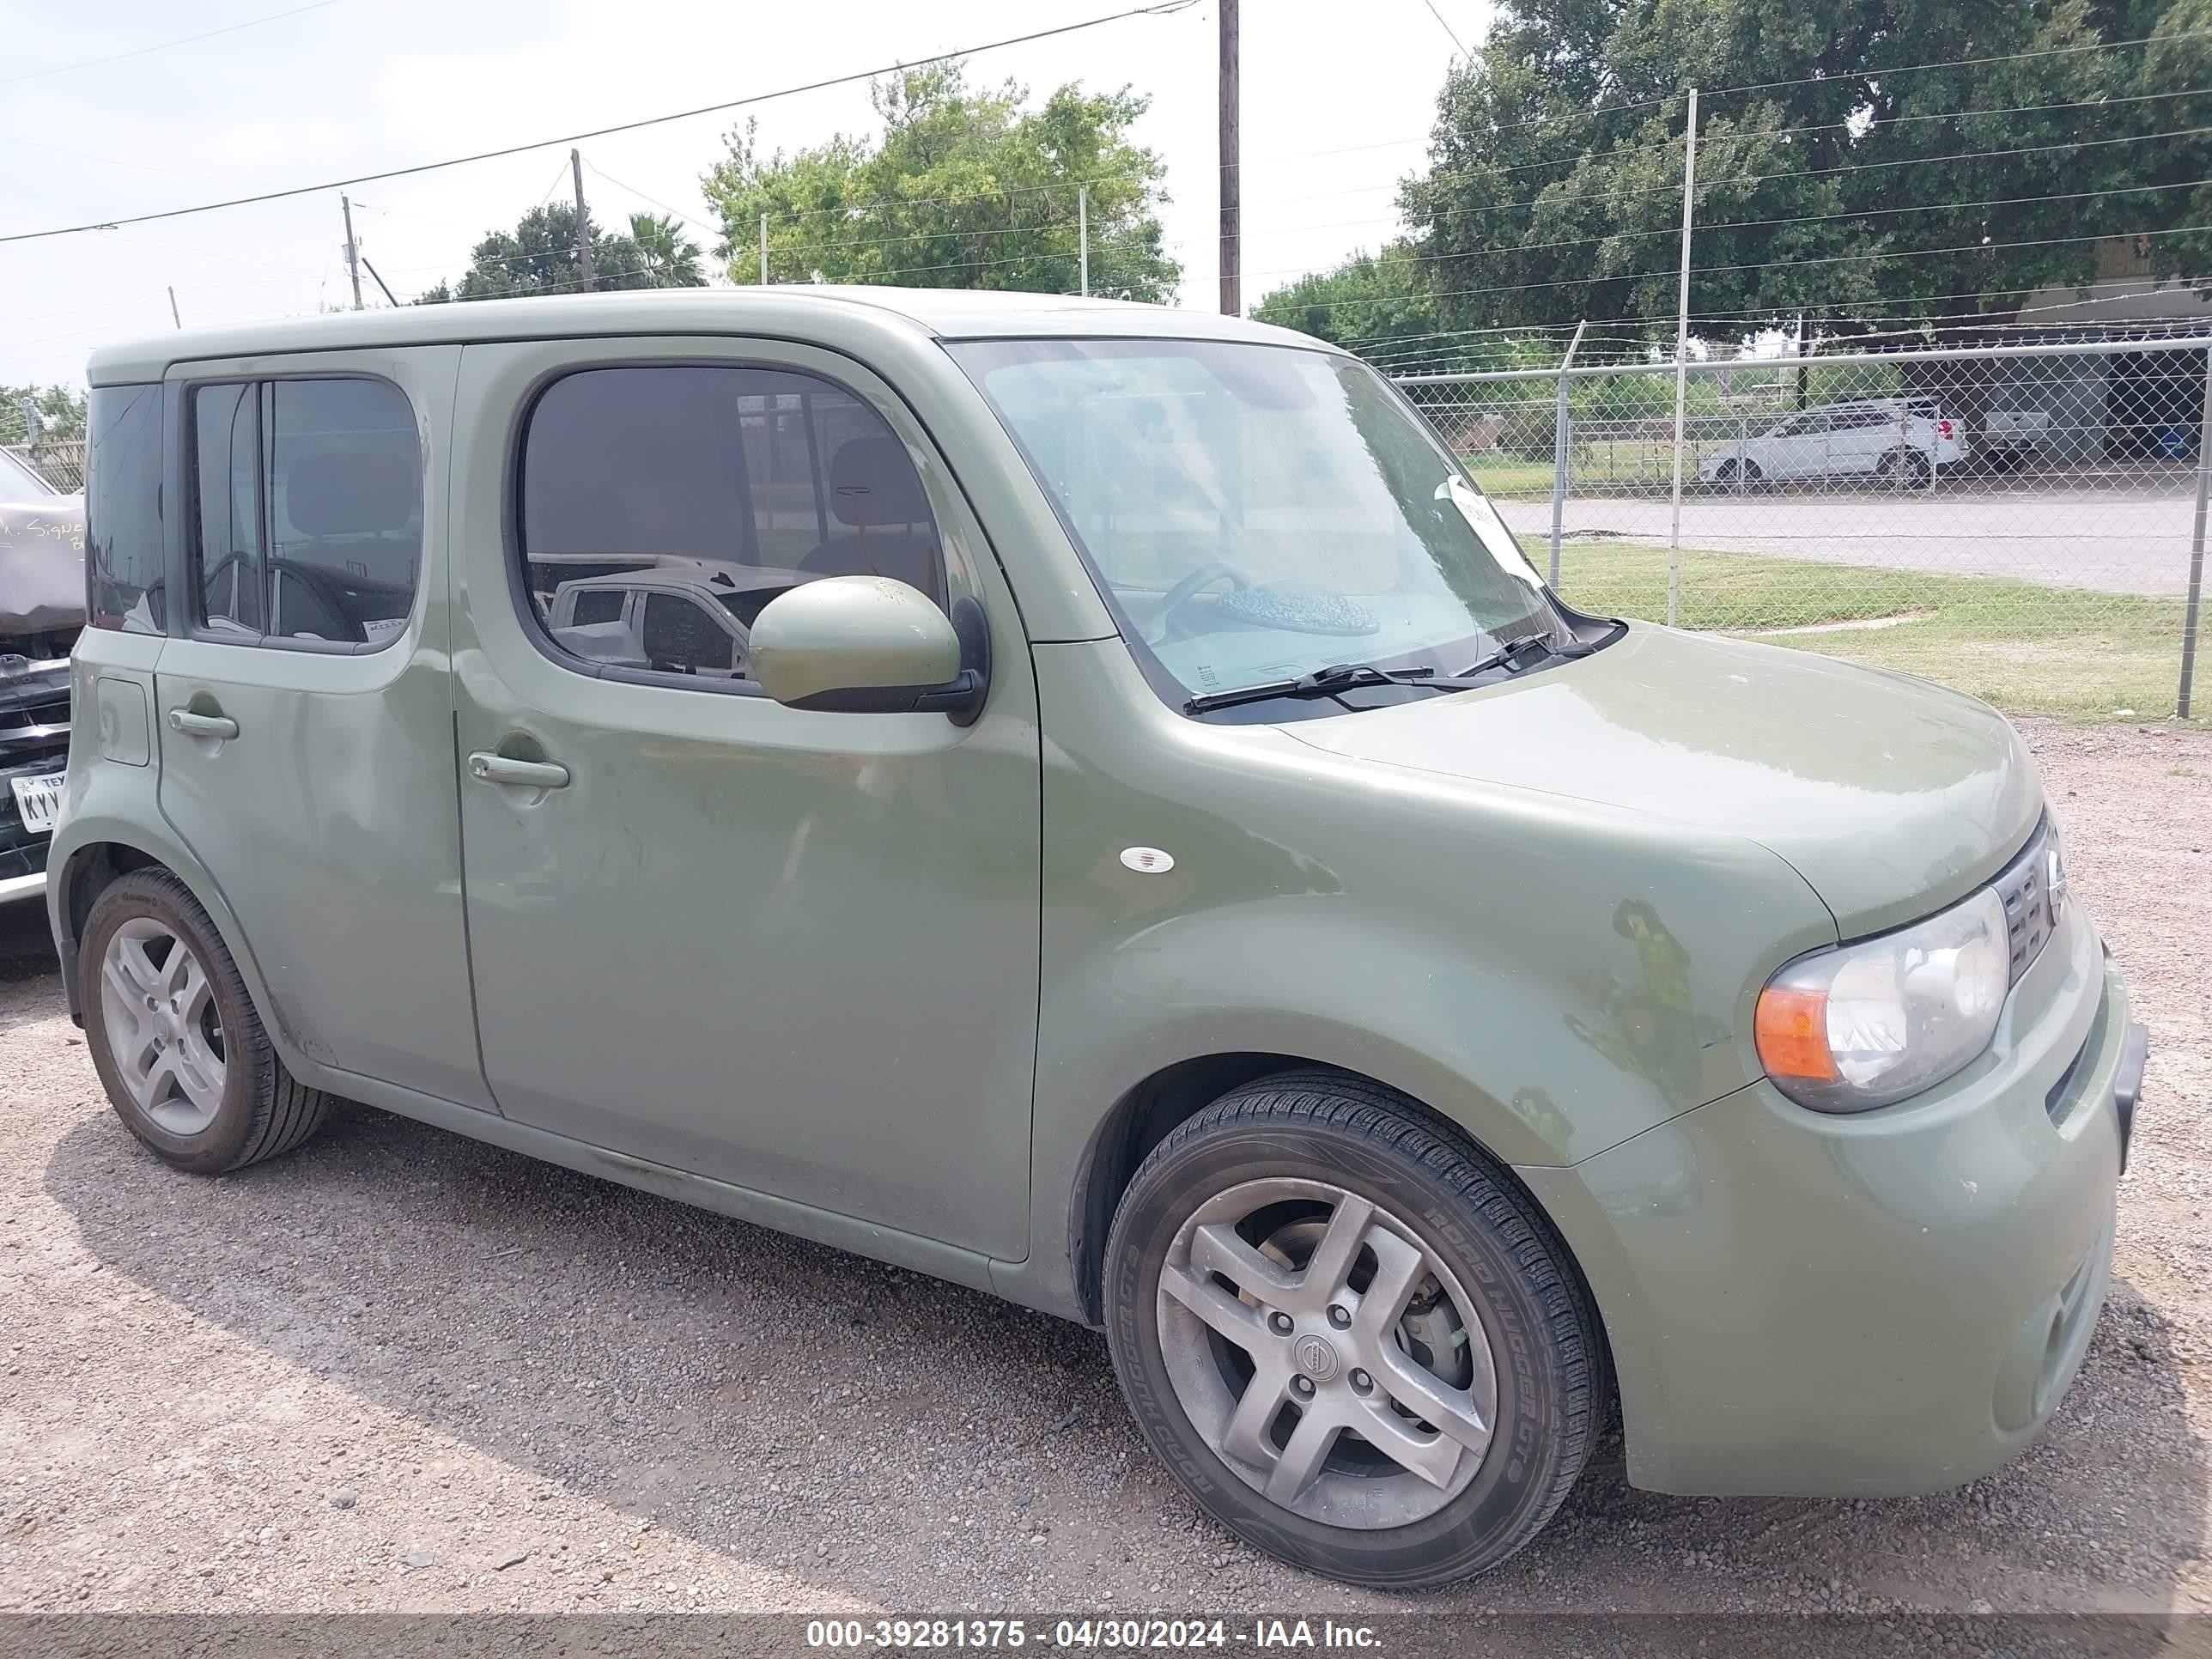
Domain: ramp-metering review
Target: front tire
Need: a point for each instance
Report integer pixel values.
(1324, 1310)
(174, 1037)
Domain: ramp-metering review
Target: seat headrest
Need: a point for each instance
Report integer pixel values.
(342, 492)
(872, 482)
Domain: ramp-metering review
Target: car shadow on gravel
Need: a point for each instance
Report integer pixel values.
(792, 1406)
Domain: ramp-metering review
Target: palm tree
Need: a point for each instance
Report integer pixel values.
(666, 256)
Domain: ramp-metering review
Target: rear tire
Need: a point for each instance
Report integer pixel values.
(1903, 468)
(1377, 1466)
(174, 1037)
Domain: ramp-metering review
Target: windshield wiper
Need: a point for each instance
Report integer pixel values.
(1526, 652)
(1327, 682)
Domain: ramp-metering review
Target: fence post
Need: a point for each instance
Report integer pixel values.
(1561, 451)
(1681, 356)
(2197, 548)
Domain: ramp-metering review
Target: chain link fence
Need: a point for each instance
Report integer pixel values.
(60, 462)
(2027, 523)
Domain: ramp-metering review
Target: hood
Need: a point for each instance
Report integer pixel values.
(41, 568)
(1891, 796)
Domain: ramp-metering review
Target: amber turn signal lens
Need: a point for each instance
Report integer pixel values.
(1792, 1029)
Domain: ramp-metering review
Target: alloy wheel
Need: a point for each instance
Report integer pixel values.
(164, 1031)
(1329, 1356)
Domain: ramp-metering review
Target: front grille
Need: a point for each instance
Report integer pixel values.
(25, 858)
(38, 727)
(2030, 915)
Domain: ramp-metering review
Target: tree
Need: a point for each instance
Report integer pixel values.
(1870, 201)
(539, 256)
(666, 256)
(965, 189)
(1373, 301)
(60, 410)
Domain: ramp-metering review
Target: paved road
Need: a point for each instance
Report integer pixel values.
(2130, 537)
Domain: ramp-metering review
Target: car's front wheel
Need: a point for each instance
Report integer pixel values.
(1355, 1340)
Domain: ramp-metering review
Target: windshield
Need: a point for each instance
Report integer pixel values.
(1255, 513)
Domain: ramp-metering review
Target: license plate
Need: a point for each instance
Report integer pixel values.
(39, 800)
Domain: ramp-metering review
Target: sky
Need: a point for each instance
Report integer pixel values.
(1336, 110)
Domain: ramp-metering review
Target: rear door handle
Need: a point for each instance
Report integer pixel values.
(532, 775)
(194, 724)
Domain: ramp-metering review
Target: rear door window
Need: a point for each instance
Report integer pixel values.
(308, 511)
(227, 491)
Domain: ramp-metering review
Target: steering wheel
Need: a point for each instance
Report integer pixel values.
(1187, 590)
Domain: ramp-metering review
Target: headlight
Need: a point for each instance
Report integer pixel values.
(1865, 1024)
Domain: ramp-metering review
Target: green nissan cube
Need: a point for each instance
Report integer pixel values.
(1090, 802)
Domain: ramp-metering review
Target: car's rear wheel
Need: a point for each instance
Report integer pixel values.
(174, 1038)
(1903, 468)
(1323, 1309)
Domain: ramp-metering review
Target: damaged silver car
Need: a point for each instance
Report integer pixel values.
(41, 610)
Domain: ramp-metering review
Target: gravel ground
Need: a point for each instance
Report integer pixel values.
(401, 1370)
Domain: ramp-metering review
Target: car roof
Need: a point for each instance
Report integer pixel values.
(823, 313)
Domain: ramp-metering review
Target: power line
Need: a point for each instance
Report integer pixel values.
(140, 51)
(651, 201)
(1446, 27)
(1849, 79)
(1803, 219)
(1839, 258)
(1161, 7)
(1964, 62)
(1402, 360)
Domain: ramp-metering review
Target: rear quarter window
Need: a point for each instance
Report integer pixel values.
(123, 556)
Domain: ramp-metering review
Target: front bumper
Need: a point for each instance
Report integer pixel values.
(34, 733)
(1873, 1304)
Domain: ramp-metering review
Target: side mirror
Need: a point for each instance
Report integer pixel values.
(869, 645)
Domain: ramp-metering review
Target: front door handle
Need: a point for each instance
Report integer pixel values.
(193, 724)
(532, 775)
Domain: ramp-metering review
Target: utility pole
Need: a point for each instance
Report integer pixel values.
(1083, 233)
(1232, 172)
(583, 224)
(1562, 450)
(1681, 356)
(353, 252)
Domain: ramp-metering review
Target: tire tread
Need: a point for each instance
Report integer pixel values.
(1352, 1105)
(285, 1111)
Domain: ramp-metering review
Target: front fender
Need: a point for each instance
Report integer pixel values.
(1552, 975)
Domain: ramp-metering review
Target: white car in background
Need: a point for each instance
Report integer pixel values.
(1896, 441)
(678, 615)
